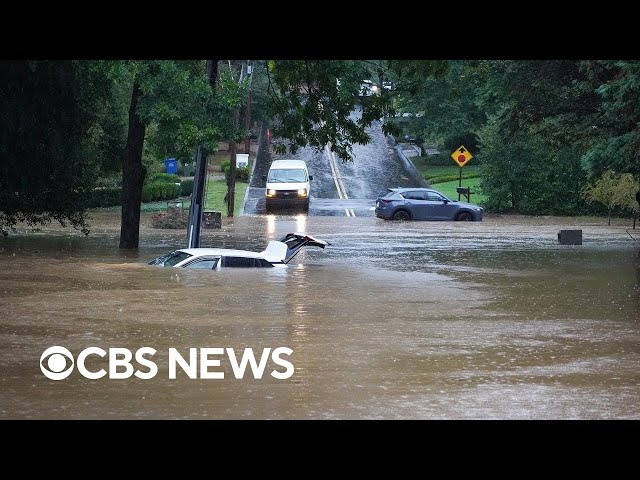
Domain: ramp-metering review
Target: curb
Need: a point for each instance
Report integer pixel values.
(253, 169)
(410, 166)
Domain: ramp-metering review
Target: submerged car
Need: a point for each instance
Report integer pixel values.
(277, 254)
(424, 204)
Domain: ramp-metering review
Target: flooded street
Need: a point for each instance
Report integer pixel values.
(394, 320)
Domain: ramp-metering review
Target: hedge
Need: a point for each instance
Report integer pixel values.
(242, 174)
(105, 197)
(158, 191)
(186, 187)
(450, 178)
(163, 177)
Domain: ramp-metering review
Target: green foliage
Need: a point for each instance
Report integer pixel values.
(613, 190)
(48, 110)
(186, 187)
(526, 176)
(442, 160)
(104, 197)
(113, 180)
(156, 191)
(312, 101)
(225, 165)
(242, 174)
(163, 177)
(449, 178)
(449, 106)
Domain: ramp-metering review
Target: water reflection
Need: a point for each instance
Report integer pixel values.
(391, 321)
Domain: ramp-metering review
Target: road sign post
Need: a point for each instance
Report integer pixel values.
(461, 156)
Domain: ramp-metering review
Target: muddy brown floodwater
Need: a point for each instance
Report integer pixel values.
(394, 320)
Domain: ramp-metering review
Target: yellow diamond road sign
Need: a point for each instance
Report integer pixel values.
(462, 156)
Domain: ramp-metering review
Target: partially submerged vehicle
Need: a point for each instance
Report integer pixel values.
(277, 254)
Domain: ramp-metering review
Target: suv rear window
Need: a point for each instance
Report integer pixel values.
(391, 194)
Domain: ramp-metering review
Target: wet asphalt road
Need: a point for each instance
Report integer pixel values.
(341, 188)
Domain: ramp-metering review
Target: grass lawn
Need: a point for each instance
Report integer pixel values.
(217, 189)
(436, 170)
(449, 189)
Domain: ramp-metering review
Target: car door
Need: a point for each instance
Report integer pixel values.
(437, 208)
(415, 201)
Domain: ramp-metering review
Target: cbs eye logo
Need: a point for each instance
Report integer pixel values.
(54, 367)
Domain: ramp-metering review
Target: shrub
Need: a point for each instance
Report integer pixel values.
(158, 191)
(163, 177)
(114, 180)
(105, 197)
(186, 187)
(224, 165)
(242, 174)
(450, 178)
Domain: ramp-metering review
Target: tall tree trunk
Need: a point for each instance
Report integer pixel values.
(132, 175)
(609, 217)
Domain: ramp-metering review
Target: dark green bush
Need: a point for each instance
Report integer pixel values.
(186, 187)
(163, 177)
(114, 180)
(224, 165)
(242, 174)
(158, 191)
(105, 197)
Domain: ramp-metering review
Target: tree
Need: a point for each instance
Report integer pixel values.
(613, 190)
(47, 113)
(446, 107)
(311, 102)
(616, 144)
(175, 95)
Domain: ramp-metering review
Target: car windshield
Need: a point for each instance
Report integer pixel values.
(288, 175)
(170, 259)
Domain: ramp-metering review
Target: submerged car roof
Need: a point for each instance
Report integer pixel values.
(228, 252)
(288, 164)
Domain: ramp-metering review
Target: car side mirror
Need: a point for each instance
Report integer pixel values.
(310, 177)
(264, 177)
(445, 201)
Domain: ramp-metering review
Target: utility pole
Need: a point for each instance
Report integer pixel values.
(231, 182)
(200, 177)
(247, 142)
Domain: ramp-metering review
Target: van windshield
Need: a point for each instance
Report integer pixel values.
(288, 175)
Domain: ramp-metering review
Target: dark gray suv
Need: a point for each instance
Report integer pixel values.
(424, 204)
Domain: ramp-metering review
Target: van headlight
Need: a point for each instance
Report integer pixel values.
(302, 192)
(271, 192)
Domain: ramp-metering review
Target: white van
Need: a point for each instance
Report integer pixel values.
(287, 184)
